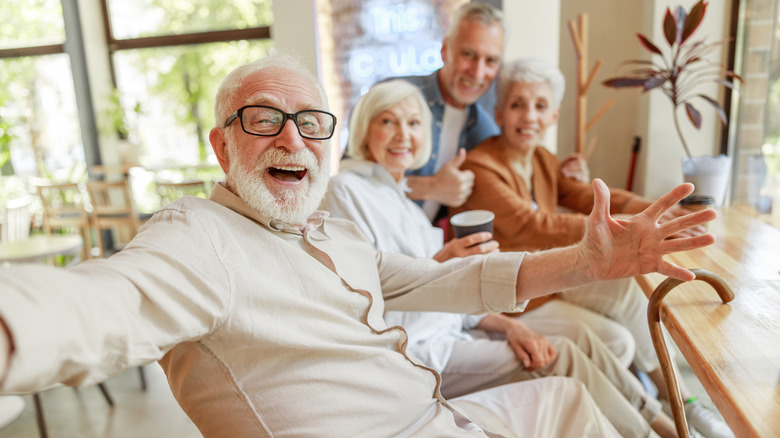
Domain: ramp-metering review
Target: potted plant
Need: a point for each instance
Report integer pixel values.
(128, 147)
(677, 72)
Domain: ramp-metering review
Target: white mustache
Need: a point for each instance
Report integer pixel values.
(280, 158)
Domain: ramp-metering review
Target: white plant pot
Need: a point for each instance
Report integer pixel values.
(710, 176)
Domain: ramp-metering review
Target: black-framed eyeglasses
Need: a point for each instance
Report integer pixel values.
(267, 121)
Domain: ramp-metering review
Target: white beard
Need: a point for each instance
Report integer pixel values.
(290, 206)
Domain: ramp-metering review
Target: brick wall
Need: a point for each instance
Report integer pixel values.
(760, 48)
(347, 26)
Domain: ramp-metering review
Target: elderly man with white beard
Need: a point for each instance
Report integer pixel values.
(266, 315)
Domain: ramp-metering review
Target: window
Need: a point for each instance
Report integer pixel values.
(168, 59)
(153, 104)
(39, 126)
(757, 131)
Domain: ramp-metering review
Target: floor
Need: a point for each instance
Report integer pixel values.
(153, 413)
(84, 413)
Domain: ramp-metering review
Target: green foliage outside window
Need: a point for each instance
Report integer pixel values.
(185, 78)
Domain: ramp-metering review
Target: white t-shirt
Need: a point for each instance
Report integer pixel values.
(452, 124)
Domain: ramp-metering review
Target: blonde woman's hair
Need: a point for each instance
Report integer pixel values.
(379, 98)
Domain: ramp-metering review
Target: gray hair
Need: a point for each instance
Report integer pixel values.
(233, 81)
(379, 98)
(475, 11)
(530, 71)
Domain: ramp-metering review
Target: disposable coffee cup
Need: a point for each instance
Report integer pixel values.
(472, 221)
(698, 202)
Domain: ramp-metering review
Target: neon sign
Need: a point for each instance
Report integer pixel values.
(398, 40)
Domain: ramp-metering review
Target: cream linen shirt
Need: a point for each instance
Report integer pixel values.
(262, 330)
(365, 193)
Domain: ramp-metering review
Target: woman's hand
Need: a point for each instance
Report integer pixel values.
(531, 348)
(575, 167)
(477, 243)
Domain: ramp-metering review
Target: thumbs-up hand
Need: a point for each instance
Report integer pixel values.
(452, 186)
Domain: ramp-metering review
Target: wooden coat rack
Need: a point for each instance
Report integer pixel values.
(579, 35)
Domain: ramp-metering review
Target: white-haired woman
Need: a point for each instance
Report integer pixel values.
(522, 183)
(389, 134)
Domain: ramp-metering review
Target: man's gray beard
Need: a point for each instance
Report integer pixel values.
(290, 206)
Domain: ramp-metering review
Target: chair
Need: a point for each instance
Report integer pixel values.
(171, 191)
(41, 420)
(113, 208)
(15, 219)
(64, 207)
(105, 170)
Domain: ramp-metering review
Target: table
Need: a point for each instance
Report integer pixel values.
(39, 247)
(734, 348)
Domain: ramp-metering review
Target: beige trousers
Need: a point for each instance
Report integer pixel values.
(621, 301)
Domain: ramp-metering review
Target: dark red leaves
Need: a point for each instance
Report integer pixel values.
(654, 82)
(693, 115)
(624, 82)
(670, 28)
(693, 20)
(648, 45)
(721, 112)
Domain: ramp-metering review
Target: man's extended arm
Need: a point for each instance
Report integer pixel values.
(102, 316)
(6, 348)
(615, 248)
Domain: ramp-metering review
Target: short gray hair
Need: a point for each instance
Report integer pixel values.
(379, 98)
(233, 81)
(475, 11)
(530, 71)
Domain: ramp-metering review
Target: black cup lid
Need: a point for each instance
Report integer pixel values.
(697, 200)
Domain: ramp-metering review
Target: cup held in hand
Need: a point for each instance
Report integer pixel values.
(472, 221)
(698, 202)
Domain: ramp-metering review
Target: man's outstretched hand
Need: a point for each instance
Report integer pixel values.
(617, 248)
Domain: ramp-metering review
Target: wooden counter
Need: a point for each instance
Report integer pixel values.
(733, 348)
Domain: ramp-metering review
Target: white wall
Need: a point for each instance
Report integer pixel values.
(533, 30)
(295, 30)
(613, 28)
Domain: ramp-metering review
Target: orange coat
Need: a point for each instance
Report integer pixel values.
(517, 226)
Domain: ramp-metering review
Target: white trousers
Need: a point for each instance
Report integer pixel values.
(551, 407)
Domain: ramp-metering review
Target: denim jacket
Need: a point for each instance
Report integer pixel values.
(479, 123)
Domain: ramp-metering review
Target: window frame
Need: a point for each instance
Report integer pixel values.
(114, 45)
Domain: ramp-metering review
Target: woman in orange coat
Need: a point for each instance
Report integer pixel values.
(524, 185)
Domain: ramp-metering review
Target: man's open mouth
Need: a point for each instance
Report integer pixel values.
(287, 173)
